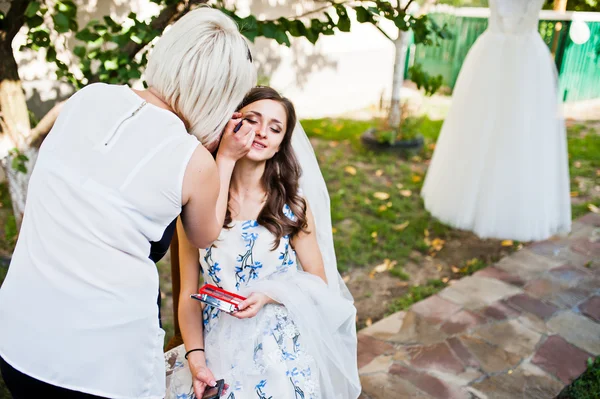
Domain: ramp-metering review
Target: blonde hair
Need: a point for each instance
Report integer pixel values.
(202, 68)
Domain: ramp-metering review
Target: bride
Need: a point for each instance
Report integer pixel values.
(294, 336)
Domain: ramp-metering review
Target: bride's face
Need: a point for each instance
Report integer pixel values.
(268, 119)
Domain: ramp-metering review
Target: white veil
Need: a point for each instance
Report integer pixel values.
(315, 191)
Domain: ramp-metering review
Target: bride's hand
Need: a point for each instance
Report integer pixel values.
(252, 305)
(202, 377)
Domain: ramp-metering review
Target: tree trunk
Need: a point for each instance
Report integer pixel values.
(399, 61)
(13, 108)
(560, 6)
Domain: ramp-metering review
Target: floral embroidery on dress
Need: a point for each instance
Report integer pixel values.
(246, 260)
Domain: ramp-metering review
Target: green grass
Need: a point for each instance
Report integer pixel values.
(587, 386)
(584, 153)
(367, 225)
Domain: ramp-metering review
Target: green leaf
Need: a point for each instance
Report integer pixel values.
(297, 28)
(87, 36)
(79, 51)
(51, 54)
(343, 19)
(61, 22)
(32, 9)
(269, 30)
(34, 21)
(282, 38)
(362, 14)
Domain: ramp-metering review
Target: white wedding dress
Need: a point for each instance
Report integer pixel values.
(500, 166)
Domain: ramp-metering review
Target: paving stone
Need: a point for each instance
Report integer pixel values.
(462, 353)
(519, 384)
(578, 330)
(592, 219)
(511, 336)
(428, 383)
(561, 358)
(462, 321)
(532, 305)
(475, 292)
(550, 248)
(416, 329)
(386, 386)
(527, 264)
(540, 288)
(591, 308)
(369, 348)
(568, 298)
(435, 357)
(385, 328)
(435, 309)
(491, 358)
(570, 275)
(533, 322)
(587, 247)
(499, 274)
(379, 364)
(500, 311)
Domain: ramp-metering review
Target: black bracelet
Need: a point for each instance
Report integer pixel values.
(193, 350)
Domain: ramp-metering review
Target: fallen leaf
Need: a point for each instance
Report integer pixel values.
(406, 193)
(369, 322)
(317, 130)
(455, 269)
(510, 371)
(438, 244)
(402, 226)
(351, 170)
(577, 164)
(507, 243)
(593, 208)
(333, 230)
(333, 144)
(597, 172)
(382, 208)
(374, 234)
(346, 279)
(379, 173)
(381, 195)
(400, 186)
(402, 283)
(367, 201)
(416, 178)
(438, 267)
(445, 280)
(574, 193)
(389, 204)
(426, 232)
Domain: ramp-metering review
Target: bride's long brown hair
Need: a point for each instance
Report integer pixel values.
(281, 176)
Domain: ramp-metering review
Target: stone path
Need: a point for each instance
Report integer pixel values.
(522, 328)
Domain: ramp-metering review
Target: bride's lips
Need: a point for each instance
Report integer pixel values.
(258, 145)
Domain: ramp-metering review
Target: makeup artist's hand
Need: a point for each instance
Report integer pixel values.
(235, 145)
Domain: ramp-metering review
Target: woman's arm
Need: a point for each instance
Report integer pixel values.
(307, 248)
(206, 184)
(190, 313)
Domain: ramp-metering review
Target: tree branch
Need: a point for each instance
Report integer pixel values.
(407, 5)
(15, 18)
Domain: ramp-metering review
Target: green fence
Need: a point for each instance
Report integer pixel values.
(578, 65)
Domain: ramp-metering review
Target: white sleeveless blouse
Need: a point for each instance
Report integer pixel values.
(78, 306)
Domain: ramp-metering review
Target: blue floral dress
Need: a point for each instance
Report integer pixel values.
(262, 357)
